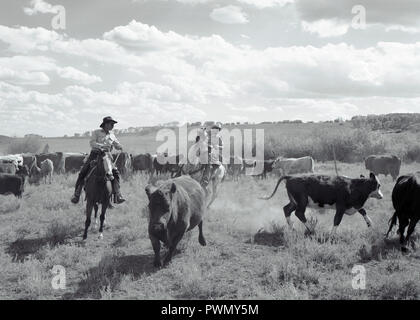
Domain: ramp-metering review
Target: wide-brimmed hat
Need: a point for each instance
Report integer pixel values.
(106, 120)
(217, 126)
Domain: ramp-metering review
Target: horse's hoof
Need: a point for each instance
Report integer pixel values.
(157, 264)
(101, 236)
(84, 238)
(202, 241)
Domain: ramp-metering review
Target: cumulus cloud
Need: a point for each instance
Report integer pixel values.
(229, 15)
(39, 6)
(77, 75)
(263, 4)
(156, 76)
(316, 16)
(326, 28)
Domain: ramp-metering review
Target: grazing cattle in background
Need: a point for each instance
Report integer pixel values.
(267, 167)
(123, 163)
(235, 167)
(142, 162)
(406, 202)
(159, 163)
(8, 167)
(176, 207)
(10, 183)
(172, 164)
(47, 169)
(28, 159)
(345, 195)
(294, 165)
(384, 164)
(73, 162)
(57, 159)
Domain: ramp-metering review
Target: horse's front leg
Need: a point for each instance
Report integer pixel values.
(95, 207)
(89, 207)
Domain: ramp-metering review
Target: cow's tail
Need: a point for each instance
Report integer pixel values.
(392, 222)
(275, 189)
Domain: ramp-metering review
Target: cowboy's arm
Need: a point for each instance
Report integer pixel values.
(117, 145)
(94, 141)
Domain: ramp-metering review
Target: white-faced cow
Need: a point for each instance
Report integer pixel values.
(406, 202)
(345, 195)
(176, 207)
(384, 164)
(294, 165)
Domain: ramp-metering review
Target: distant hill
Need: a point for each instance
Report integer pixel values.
(5, 139)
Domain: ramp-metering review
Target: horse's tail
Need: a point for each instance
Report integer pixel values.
(275, 190)
(392, 222)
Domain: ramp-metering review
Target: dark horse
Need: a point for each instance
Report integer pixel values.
(98, 189)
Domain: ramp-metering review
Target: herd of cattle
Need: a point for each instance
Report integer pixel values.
(345, 195)
(14, 168)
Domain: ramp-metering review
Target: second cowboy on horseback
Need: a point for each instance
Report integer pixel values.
(102, 140)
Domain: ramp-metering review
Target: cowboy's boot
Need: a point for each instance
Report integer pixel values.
(116, 186)
(76, 196)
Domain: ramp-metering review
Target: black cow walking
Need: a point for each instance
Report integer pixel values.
(406, 202)
(345, 195)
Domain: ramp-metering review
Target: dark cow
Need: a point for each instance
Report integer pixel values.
(176, 207)
(343, 194)
(164, 163)
(57, 159)
(74, 162)
(384, 164)
(10, 183)
(142, 162)
(172, 164)
(406, 201)
(159, 163)
(123, 163)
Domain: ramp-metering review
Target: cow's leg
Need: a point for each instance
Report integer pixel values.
(288, 210)
(104, 206)
(156, 248)
(300, 213)
(365, 216)
(173, 243)
(337, 219)
(89, 207)
(403, 223)
(201, 238)
(410, 230)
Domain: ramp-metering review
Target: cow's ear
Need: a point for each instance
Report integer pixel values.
(148, 191)
(372, 176)
(173, 188)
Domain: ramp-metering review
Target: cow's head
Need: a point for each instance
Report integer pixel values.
(374, 187)
(160, 202)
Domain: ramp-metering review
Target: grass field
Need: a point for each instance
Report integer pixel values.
(44, 229)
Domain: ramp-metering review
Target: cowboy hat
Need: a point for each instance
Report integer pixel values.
(217, 126)
(106, 120)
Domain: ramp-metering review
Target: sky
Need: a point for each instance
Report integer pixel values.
(64, 65)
